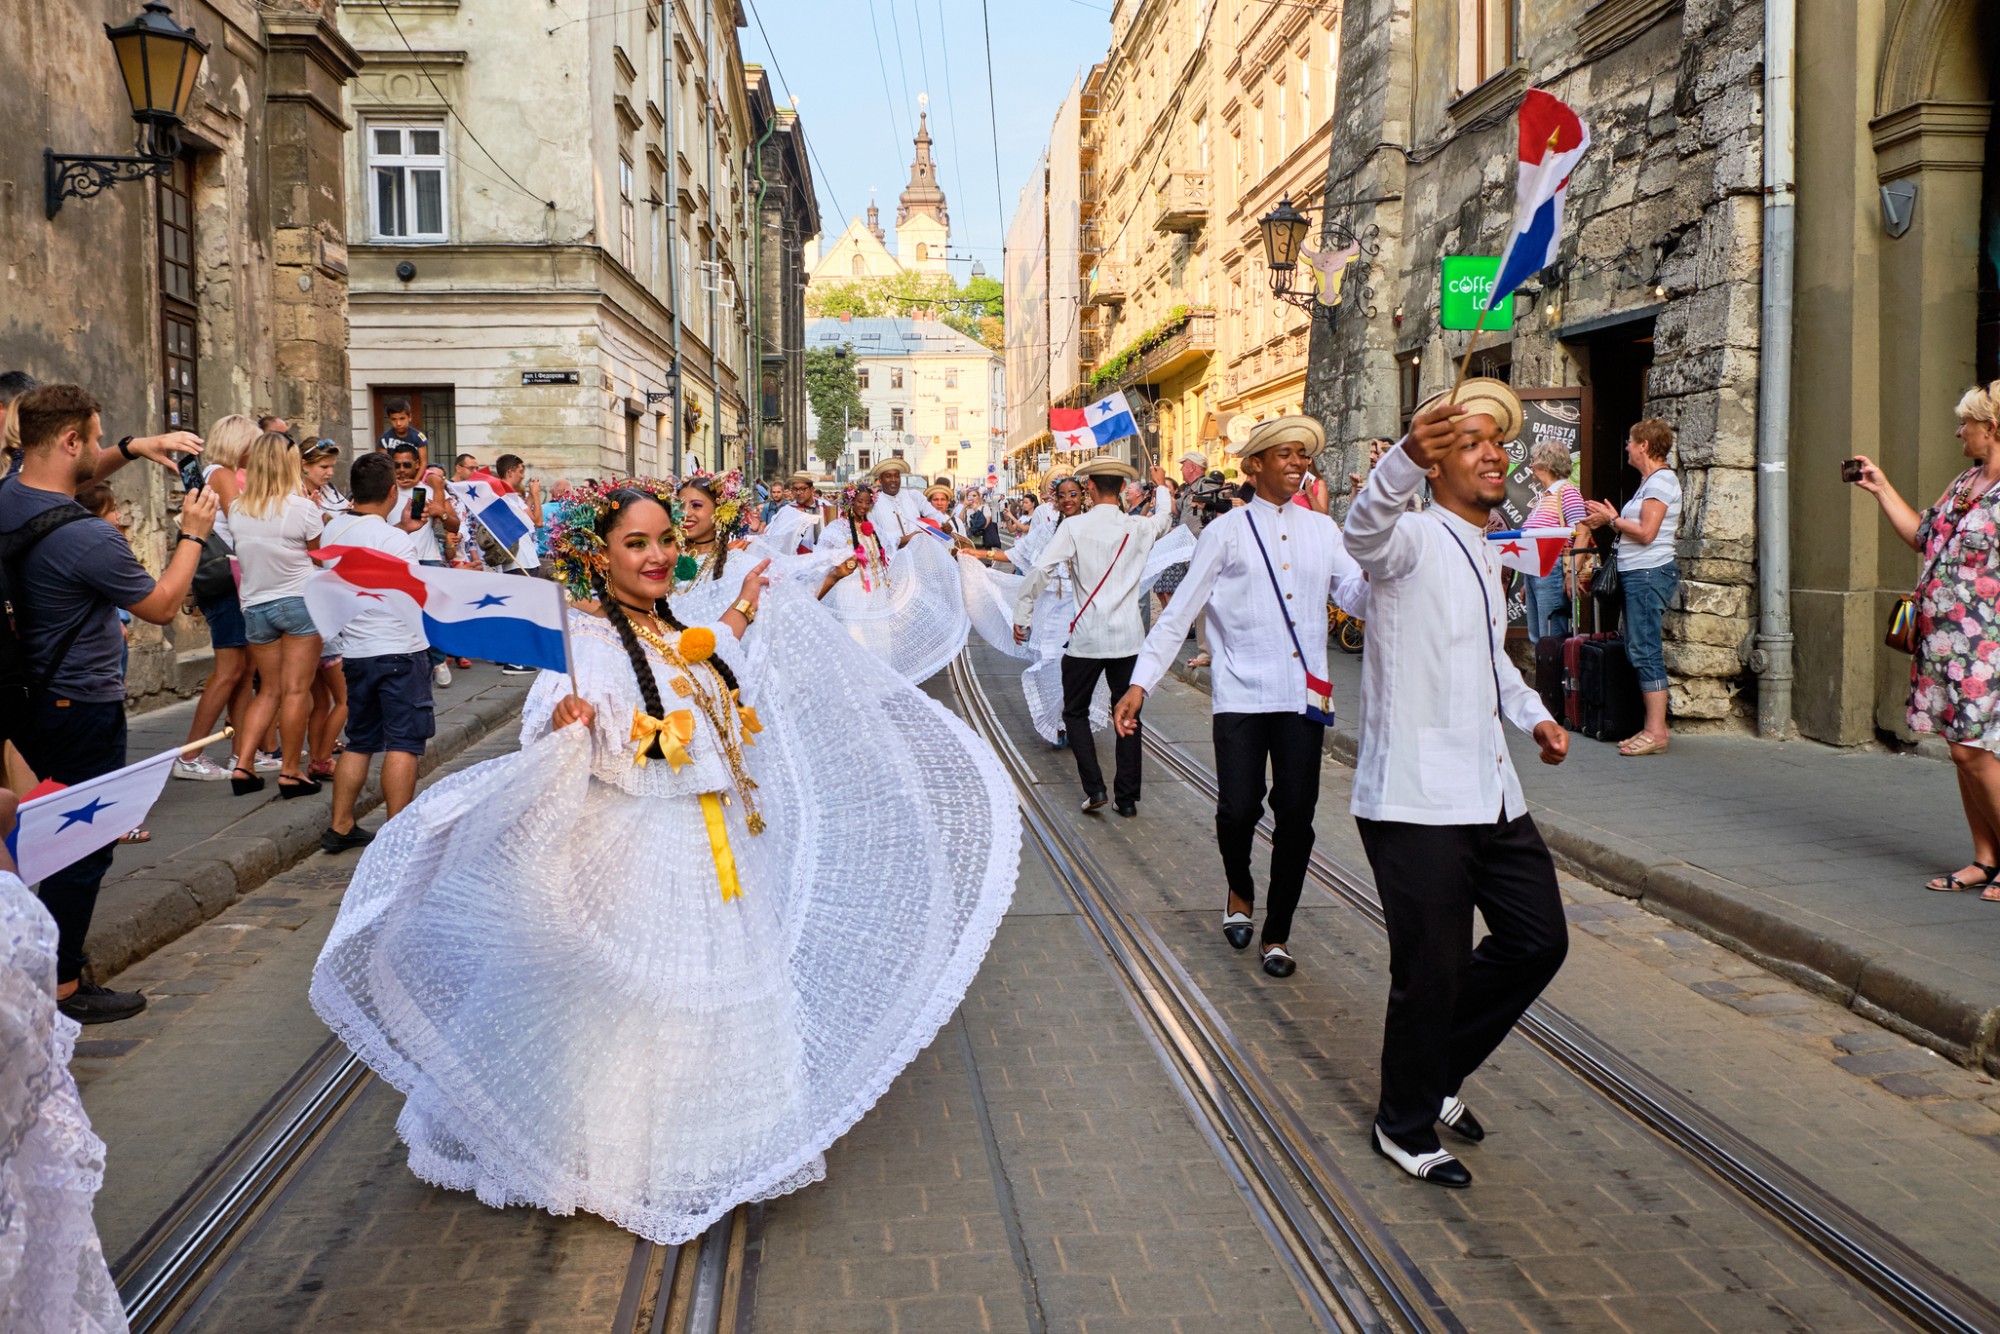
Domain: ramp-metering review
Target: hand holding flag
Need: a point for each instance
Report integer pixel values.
(1535, 551)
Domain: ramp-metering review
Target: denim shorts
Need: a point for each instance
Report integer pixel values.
(225, 624)
(268, 620)
(1647, 593)
(389, 703)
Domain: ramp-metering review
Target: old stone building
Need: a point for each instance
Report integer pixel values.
(788, 215)
(218, 287)
(552, 228)
(1653, 307)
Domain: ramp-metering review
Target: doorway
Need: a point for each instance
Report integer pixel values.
(433, 410)
(1615, 362)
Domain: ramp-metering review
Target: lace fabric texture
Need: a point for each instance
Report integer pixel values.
(540, 957)
(53, 1278)
(915, 619)
(991, 602)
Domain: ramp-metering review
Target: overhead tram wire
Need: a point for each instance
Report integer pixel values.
(902, 61)
(785, 85)
(424, 69)
(888, 95)
(951, 105)
(993, 116)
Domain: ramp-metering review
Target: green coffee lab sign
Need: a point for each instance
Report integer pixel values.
(1466, 284)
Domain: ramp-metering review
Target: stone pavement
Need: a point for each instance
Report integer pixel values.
(210, 848)
(1806, 857)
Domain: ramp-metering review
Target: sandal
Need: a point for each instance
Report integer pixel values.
(1641, 745)
(1991, 894)
(137, 836)
(1951, 884)
(1198, 660)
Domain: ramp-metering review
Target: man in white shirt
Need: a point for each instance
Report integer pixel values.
(1436, 798)
(1263, 573)
(1105, 549)
(899, 514)
(388, 677)
(796, 525)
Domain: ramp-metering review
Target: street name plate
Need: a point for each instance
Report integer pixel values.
(551, 377)
(1466, 283)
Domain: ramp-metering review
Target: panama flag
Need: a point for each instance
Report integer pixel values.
(485, 498)
(1536, 551)
(1553, 141)
(1093, 425)
(69, 823)
(463, 613)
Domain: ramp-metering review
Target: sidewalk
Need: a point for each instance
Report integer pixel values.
(210, 848)
(1807, 858)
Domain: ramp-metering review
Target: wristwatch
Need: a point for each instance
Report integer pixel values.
(747, 609)
(190, 537)
(125, 448)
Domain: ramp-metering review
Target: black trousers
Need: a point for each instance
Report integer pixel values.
(1079, 679)
(1450, 1005)
(73, 741)
(1289, 745)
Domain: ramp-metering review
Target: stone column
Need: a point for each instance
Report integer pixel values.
(310, 64)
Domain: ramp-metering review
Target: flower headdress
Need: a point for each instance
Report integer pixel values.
(852, 492)
(575, 549)
(732, 501)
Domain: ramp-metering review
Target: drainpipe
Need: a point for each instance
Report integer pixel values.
(1772, 657)
(715, 459)
(673, 229)
(755, 236)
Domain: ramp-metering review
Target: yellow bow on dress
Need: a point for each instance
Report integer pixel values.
(674, 731)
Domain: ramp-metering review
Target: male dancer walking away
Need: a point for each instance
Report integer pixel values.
(1264, 573)
(1106, 551)
(1436, 798)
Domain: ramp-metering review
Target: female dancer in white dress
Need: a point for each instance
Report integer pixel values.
(907, 604)
(642, 967)
(53, 1278)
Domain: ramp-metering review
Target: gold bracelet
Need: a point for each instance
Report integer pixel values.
(748, 611)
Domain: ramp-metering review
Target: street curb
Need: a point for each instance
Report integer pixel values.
(1929, 1003)
(152, 908)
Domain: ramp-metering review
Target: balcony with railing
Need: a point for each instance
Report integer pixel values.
(1165, 350)
(1181, 205)
(1107, 285)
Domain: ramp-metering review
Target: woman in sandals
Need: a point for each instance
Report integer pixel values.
(1953, 693)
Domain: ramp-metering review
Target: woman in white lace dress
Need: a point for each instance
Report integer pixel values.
(906, 605)
(52, 1274)
(641, 967)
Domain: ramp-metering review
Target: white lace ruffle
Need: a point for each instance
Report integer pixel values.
(53, 1278)
(915, 619)
(543, 963)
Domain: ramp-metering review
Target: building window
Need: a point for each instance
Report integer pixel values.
(861, 378)
(859, 266)
(1284, 138)
(628, 232)
(895, 377)
(1306, 96)
(406, 182)
(865, 459)
(658, 272)
(895, 419)
(177, 333)
(951, 460)
(923, 252)
(867, 417)
(1201, 143)
(951, 378)
(1408, 378)
(1258, 112)
(1485, 40)
(951, 419)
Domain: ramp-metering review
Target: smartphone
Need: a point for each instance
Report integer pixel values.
(189, 467)
(1850, 470)
(419, 501)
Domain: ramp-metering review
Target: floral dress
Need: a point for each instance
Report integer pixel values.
(1952, 688)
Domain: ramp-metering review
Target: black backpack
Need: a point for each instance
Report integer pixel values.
(20, 688)
(976, 525)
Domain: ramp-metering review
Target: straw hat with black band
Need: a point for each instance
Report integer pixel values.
(887, 466)
(1483, 396)
(1297, 430)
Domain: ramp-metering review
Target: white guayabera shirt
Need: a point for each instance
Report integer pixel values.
(1436, 680)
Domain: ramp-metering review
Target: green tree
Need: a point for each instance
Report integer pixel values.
(835, 396)
(975, 309)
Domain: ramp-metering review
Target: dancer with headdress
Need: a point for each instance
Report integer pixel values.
(639, 967)
(905, 604)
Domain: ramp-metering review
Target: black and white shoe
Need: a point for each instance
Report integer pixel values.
(1437, 1167)
(1236, 929)
(1095, 801)
(1460, 1121)
(1278, 961)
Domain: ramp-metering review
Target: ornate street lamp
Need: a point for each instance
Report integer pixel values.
(1285, 230)
(160, 62)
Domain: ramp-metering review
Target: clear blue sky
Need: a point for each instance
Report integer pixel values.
(827, 56)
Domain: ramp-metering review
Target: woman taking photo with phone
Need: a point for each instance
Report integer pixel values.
(1647, 573)
(275, 526)
(1957, 612)
(228, 685)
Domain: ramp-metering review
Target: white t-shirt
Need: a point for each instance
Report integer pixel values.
(222, 528)
(376, 631)
(425, 537)
(1665, 487)
(271, 549)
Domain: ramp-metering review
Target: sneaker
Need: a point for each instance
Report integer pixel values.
(332, 840)
(92, 1004)
(441, 674)
(201, 769)
(510, 669)
(269, 761)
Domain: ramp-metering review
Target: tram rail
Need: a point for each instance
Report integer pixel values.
(1351, 1273)
(1896, 1273)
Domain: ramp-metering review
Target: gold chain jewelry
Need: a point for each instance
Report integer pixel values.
(713, 698)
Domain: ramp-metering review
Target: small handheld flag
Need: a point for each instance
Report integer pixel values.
(485, 499)
(63, 826)
(464, 613)
(1094, 425)
(1535, 551)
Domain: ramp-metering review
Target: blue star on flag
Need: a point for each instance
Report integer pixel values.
(84, 814)
(490, 600)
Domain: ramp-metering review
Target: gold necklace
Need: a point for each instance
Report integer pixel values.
(719, 705)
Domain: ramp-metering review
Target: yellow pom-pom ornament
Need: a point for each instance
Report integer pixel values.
(697, 644)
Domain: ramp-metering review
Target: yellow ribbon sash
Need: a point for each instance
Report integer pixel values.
(674, 731)
(718, 845)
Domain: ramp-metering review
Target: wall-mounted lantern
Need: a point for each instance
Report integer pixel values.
(160, 62)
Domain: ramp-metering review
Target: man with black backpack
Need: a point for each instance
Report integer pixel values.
(63, 576)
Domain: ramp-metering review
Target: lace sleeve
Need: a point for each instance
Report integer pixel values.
(549, 688)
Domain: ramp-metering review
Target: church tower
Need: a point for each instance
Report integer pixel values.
(923, 222)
